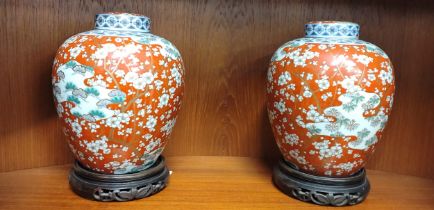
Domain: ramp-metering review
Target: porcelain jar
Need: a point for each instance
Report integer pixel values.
(329, 98)
(118, 89)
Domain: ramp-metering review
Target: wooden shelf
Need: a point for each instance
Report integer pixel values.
(205, 183)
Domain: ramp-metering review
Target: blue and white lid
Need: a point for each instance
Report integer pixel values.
(123, 21)
(332, 29)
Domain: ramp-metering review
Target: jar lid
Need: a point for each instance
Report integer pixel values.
(338, 29)
(122, 21)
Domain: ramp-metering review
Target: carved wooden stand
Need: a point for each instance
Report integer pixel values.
(327, 191)
(122, 187)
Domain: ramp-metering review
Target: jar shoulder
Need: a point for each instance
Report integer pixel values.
(341, 42)
(168, 49)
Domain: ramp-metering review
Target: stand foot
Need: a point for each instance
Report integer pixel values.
(326, 191)
(119, 187)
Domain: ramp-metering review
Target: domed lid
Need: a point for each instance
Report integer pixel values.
(122, 21)
(336, 29)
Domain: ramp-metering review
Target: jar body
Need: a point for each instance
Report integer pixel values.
(117, 94)
(329, 99)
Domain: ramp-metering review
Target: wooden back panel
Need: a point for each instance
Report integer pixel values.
(226, 46)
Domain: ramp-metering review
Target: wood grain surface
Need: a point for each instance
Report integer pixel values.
(226, 46)
(206, 183)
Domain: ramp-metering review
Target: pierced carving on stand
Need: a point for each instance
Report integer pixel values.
(324, 198)
(122, 187)
(326, 191)
(127, 194)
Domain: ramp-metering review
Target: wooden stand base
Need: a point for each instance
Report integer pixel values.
(122, 187)
(327, 191)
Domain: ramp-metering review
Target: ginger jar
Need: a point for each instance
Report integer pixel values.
(118, 89)
(329, 98)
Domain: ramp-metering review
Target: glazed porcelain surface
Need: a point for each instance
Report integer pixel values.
(329, 98)
(117, 90)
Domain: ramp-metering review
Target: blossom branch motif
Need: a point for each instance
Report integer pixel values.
(124, 107)
(133, 100)
(118, 87)
(315, 97)
(337, 70)
(110, 73)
